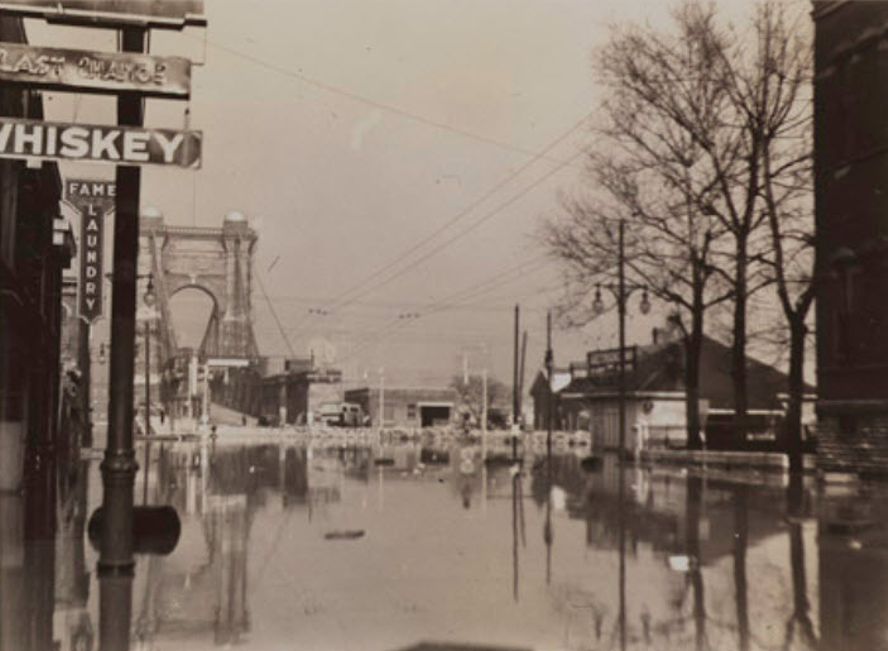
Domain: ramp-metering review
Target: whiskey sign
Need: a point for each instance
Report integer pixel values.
(20, 138)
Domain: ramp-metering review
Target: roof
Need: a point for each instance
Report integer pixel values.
(660, 368)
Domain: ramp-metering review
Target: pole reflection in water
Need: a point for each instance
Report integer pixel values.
(548, 532)
(621, 506)
(741, 533)
(72, 576)
(693, 513)
(516, 484)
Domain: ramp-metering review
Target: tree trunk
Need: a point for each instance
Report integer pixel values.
(693, 348)
(738, 350)
(793, 424)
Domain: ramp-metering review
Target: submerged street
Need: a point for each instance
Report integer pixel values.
(322, 544)
(443, 326)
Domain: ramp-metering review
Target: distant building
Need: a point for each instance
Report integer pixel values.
(291, 397)
(851, 215)
(406, 407)
(587, 399)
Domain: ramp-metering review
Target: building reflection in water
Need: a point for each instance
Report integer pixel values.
(853, 568)
(672, 560)
(44, 582)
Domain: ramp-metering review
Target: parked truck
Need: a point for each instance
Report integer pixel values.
(341, 414)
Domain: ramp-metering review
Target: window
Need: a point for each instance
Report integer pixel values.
(411, 411)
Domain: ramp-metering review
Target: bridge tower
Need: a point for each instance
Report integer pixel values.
(216, 261)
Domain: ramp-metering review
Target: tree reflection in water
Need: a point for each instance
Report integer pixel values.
(801, 617)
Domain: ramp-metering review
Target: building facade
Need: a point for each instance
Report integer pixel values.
(35, 246)
(588, 399)
(851, 208)
(405, 406)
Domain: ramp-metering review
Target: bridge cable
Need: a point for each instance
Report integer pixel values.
(274, 315)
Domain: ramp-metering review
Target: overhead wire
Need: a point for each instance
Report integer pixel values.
(274, 315)
(382, 106)
(486, 217)
(535, 156)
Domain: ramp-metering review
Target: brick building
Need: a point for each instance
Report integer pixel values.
(851, 205)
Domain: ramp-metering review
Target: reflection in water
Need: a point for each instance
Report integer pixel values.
(695, 574)
(800, 618)
(740, 541)
(648, 558)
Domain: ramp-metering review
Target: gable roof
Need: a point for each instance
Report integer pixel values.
(660, 367)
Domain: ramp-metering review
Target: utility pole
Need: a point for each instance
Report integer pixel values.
(116, 561)
(205, 407)
(621, 293)
(147, 405)
(484, 415)
(521, 376)
(550, 357)
(119, 465)
(515, 390)
(621, 306)
(86, 380)
(381, 400)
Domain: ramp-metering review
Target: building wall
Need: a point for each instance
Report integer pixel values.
(851, 206)
(401, 405)
(31, 266)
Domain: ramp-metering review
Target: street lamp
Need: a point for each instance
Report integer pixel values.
(621, 292)
(149, 299)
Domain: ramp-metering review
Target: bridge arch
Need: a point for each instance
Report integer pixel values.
(216, 261)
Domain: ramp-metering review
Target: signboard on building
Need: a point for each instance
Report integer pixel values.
(603, 363)
(93, 199)
(149, 13)
(20, 138)
(58, 68)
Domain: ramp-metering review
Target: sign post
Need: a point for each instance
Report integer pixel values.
(132, 76)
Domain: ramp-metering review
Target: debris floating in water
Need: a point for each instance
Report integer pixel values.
(348, 534)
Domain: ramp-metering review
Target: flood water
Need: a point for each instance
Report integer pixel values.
(298, 545)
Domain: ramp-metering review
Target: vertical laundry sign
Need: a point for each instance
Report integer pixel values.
(93, 199)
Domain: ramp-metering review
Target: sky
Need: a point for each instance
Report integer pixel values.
(429, 140)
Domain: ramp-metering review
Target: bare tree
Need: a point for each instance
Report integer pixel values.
(471, 394)
(785, 68)
(651, 170)
(693, 143)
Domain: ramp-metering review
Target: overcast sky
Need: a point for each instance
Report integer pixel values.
(348, 131)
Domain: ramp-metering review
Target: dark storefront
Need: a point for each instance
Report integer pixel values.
(851, 164)
(35, 245)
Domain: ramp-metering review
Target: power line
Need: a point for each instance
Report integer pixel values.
(356, 97)
(533, 262)
(341, 299)
(474, 291)
(486, 217)
(465, 211)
